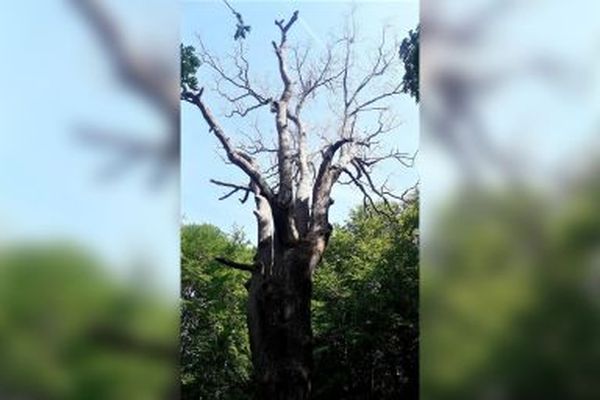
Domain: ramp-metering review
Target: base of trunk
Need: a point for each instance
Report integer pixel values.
(279, 323)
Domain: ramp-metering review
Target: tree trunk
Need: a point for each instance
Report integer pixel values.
(279, 324)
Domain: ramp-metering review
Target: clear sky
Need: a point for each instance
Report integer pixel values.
(215, 24)
(54, 78)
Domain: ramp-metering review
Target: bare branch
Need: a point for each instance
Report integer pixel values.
(326, 177)
(242, 160)
(281, 110)
(285, 28)
(397, 90)
(280, 51)
(235, 188)
(368, 200)
(239, 81)
(236, 265)
(381, 64)
(377, 198)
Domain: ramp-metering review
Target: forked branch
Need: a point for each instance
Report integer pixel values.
(236, 157)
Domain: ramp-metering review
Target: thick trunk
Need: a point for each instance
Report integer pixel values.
(279, 325)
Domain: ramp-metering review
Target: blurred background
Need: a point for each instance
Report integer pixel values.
(89, 199)
(510, 270)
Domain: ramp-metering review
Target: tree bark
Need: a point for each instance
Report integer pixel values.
(279, 324)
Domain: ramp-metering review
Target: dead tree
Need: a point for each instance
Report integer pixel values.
(292, 191)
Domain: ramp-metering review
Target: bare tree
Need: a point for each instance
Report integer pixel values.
(292, 191)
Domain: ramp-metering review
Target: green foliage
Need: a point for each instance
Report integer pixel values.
(365, 309)
(365, 312)
(189, 66)
(409, 53)
(68, 332)
(215, 359)
(510, 298)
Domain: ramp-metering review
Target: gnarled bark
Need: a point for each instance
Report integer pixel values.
(279, 325)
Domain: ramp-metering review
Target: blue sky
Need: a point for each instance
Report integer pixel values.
(543, 119)
(54, 78)
(215, 24)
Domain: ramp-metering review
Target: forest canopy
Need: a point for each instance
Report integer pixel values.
(365, 311)
(70, 330)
